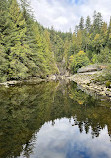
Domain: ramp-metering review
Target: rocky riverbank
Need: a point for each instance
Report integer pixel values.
(85, 78)
(86, 81)
(33, 80)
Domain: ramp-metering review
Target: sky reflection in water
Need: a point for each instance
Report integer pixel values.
(62, 139)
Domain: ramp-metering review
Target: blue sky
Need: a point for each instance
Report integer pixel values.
(75, 1)
(65, 14)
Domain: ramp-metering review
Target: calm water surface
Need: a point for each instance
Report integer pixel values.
(53, 120)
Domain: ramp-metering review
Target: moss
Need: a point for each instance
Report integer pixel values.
(108, 83)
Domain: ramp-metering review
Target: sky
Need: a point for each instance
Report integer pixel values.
(64, 15)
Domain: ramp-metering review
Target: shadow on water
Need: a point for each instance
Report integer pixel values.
(31, 115)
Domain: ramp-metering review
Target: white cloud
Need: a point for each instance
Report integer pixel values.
(65, 14)
(63, 140)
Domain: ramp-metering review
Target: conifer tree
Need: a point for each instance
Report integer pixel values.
(66, 52)
(81, 23)
(79, 40)
(97, 22)
(103, 34)
(74, 43)
(4, 22)
(88, 24)
(3, 65)
(4, 31)
(19, 57)
(109, 35)
(49, 55)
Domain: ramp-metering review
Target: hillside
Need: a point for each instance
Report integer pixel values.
(27, 49)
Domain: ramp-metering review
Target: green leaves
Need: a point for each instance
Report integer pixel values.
(78, 60)
(3, 65)
(27, 49)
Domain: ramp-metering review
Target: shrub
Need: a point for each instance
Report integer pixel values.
(78, 60)
(108, 83)
(104, 56)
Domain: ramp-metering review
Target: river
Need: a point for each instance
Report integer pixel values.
(53, 120)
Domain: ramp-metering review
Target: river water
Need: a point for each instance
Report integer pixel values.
(53, 120)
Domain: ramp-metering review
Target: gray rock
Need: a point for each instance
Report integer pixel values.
(90, 68)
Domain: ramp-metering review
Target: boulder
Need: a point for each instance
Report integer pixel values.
(90, 68)
(52, 77)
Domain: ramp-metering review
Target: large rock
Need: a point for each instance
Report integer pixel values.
(52, 77)
(90, 68)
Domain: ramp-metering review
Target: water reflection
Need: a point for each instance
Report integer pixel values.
(64, 140)
(26, 109)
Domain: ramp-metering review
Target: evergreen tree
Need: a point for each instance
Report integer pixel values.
(79, 40)
(88, 24)
(109, 35)
(19, 57)
(49, 55)
(27, 49)
(76, 29)
(103, 34)
(38, 53)
(4, 31)
(66, 52)
(97, 22)
(74, 43)
(3, 65)
(81, 23)
(4, 22)
(26, 9)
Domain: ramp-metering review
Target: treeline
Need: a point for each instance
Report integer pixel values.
(92, 38)
(25, 47)
(90, 43)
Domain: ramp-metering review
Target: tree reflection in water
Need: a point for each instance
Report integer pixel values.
(25, 108)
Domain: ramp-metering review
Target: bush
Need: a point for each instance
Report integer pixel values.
(104, 56)
(108, 83)
(78, 60)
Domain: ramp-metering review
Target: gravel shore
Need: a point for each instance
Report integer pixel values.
(86, 82)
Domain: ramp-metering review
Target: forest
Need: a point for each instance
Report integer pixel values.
(27, 49)
(67, 117)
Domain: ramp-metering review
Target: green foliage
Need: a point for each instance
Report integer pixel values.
(108, 84)
(3, 65)
(27, 49)
(88, 24)
(94, 58)
(106, 75)
(81, 23)
(78, 60)
(97, 22)
(104, 56)
(94, 40)
(58, 48)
